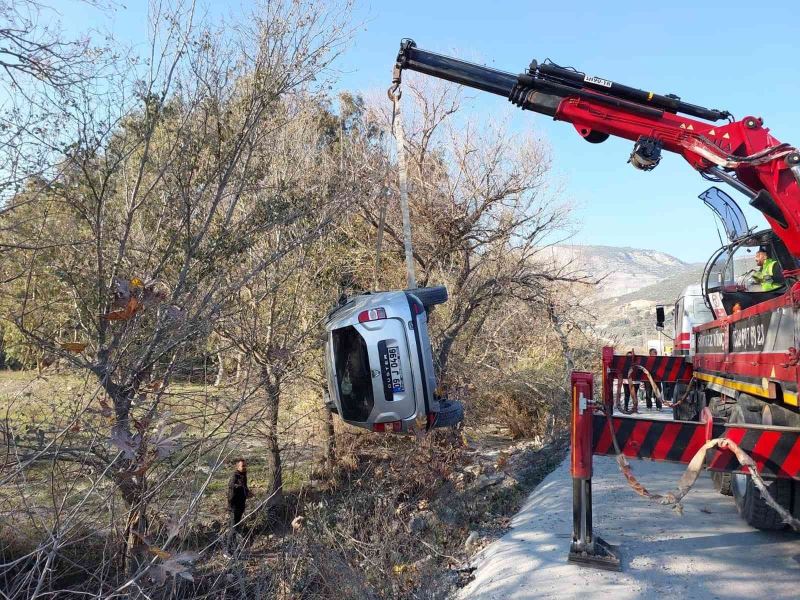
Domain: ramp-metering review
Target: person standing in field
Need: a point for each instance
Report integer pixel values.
(238, 493)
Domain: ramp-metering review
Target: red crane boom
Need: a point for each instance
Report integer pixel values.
(742, 153)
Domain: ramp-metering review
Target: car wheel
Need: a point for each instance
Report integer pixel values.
(450, 414)
(751, 505)
(430, 296)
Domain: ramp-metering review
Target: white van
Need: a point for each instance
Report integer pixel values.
(690, 311)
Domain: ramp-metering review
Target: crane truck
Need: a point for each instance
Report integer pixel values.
(743, 367)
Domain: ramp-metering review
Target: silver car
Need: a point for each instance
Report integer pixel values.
(379, 362)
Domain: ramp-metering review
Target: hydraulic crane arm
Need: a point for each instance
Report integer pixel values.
(741, 153)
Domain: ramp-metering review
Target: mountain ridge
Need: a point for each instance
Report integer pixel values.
(621, 269)
(632, 282)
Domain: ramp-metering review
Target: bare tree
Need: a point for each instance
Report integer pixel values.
(167, 187)
(486, 212)
(276, 320)
(43, 74)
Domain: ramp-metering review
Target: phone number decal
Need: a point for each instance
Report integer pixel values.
(749, 335)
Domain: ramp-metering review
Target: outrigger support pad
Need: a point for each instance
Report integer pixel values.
(586, 549)
(604, 557)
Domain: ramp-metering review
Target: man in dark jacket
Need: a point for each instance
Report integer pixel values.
(627, 385)
(649, 392)
(238, 493)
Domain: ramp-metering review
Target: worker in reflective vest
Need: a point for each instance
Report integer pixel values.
(769, 275)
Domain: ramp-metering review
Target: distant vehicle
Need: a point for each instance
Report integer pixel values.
(690, 311)
(379, 362)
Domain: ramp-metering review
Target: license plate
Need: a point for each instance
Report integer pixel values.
(395, 369)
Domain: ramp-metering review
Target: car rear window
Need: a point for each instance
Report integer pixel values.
(353, 375)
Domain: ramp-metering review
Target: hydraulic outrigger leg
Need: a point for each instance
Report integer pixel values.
(586, 548)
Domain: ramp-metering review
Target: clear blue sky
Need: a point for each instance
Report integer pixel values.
(739, 56)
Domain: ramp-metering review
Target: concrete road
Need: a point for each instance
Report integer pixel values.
(706, 553)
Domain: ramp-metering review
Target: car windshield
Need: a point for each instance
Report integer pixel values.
(353, 376)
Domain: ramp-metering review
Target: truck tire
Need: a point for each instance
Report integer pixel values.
(796, 508)
(450, 414)
(430, 296)
(678, 390)
(751, 505)
(722, 411)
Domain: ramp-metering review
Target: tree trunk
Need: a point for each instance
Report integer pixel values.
(133, 489)
(445, 347)
(330, 441)
(135, 549)
(220, 370)
(238, 366)
(274, 467)
(449, 338)
(563, 339)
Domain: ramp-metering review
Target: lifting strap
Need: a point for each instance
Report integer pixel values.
(693, 469)
(379, 242)
(397, 128)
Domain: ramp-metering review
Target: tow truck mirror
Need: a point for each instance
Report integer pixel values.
(659, 317)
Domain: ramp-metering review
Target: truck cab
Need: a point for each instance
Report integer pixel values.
(727, 278)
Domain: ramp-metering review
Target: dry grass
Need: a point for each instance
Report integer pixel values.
(387, 519)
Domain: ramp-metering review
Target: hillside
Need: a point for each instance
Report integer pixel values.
(622, 270)
(629, 320)
(634, 281)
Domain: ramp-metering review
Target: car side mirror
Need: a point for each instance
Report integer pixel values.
(660, 317)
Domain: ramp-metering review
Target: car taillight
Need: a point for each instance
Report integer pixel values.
(373, 314)
(395, 426)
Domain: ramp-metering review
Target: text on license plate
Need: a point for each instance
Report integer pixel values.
(395, 369)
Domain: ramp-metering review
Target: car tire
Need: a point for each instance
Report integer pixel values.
(751, 505)
(430, 296)
(722, 411)
(450, 414)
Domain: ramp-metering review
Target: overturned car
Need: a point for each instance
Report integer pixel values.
(379, 362)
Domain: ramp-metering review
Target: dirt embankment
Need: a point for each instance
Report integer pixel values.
(397, 519)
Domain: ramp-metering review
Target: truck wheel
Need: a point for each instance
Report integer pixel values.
(450, 414)
(691, 407)
(430, 296)
(722, 411)
(751, 506)
(678, 390)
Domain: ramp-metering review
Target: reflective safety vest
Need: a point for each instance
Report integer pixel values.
(766, 275)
